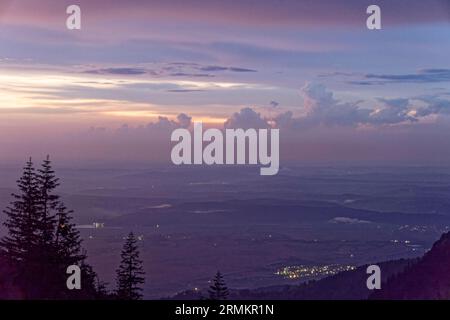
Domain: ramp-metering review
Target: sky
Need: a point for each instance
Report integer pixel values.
(137, 70)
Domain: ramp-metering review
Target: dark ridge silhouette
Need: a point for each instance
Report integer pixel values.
(428, 279)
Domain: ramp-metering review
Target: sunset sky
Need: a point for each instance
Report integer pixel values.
(116, 88)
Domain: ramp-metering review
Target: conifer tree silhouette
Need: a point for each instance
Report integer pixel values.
(47, 270)
(130, 274)
(218, 290)
(41, 240)
(68, 250)
(23, 224)
(47, 201)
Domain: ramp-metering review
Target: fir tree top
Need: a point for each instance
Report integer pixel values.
(130, 274)
(218, 290)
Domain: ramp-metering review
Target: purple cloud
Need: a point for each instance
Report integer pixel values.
(245, 119)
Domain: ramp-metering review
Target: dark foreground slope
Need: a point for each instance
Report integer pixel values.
(7, 288)
(429, 278)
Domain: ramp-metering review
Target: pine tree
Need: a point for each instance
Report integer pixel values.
(67, 244)
(47, 201)
(130, 274)
(42, 241)
(67, 238)
(20, 245)
(218, 290)
(64, 248)
(50, 273)
(22, 222)
(88, 282)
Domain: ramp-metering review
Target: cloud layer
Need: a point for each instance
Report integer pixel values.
(321, 108)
